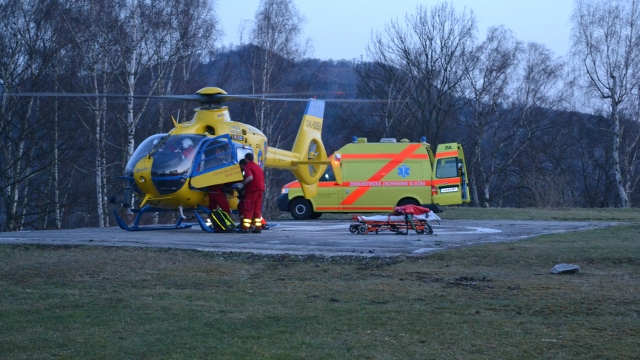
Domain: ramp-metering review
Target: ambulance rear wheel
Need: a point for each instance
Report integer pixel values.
(300, 209)
(315, 215)
(408, 201)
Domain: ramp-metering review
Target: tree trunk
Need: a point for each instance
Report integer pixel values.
(56, 170)
(615, 151)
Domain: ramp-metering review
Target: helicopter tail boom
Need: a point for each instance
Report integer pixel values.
(308, 158)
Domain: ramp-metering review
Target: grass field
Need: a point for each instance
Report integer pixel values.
(496, 301)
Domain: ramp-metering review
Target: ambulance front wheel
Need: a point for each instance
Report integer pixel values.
(300, 209)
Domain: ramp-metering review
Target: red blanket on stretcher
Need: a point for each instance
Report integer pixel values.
(410, 209)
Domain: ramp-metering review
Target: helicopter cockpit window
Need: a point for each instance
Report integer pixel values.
(175, 154)
(328, 175)
(184, 144)
(145, 148)
(173, 158)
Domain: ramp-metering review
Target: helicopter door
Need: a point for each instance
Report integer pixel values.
(216, 163)
(450, 184)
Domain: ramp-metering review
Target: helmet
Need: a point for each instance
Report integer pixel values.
(187, 143)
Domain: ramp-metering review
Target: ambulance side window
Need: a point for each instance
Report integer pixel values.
(328, 175)
(357, 171)
(446, 168)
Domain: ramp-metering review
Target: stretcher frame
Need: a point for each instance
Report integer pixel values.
(400, 224)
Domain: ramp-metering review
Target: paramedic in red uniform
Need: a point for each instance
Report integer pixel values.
(240, 191)
(253, 185)
(217, 196)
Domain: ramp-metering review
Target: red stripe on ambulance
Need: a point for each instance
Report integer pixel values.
(447, 154)
(395, 161)
(382, 156)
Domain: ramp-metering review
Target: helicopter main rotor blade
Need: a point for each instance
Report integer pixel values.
(252, 97)
(194, 97)
(201, 98)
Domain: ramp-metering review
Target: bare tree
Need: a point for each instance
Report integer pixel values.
(536, 125)
(276, 46)
(487, 87)
(377, 80)
(606, 48)
(429, 51)
(192, 41)
(28, 46)
(276, 38)
(129, 47)
(93, 53)
(149, 45)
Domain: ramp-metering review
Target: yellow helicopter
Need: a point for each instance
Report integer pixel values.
(174, 170)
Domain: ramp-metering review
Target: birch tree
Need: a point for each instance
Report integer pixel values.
(486, 89)
(276, 39)
(28, 46)
(606, 50)
(150, 38)
(132, 47)
(93, 54)
(188, 43)
(275, 46)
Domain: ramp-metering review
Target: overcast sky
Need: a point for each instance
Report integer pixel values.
(341, 29)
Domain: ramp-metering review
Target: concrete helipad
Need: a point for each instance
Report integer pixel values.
(321, 237)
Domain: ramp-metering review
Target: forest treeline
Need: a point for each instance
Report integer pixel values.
(538, 130)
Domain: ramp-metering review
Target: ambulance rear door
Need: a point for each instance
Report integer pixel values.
(450, 183)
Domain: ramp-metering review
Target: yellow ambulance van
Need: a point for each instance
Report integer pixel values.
(376, 177)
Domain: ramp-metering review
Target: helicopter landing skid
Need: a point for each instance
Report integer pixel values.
(136, 222)
(203, 225)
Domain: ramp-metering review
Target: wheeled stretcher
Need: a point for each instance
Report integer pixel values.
(400, 224)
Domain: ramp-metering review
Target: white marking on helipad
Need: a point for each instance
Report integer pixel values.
(438, 229)
(475, 230)
(312, 228)
(424, 250)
